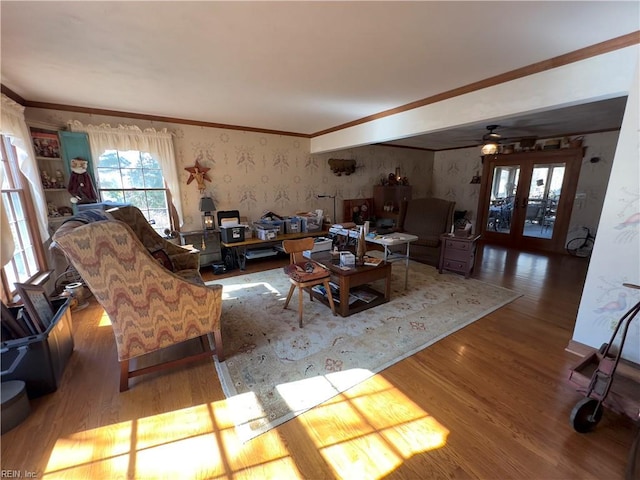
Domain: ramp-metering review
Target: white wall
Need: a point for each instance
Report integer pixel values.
(616, 255)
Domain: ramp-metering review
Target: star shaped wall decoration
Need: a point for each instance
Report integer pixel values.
(199, 173)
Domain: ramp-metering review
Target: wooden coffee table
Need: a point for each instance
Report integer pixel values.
(348, 280)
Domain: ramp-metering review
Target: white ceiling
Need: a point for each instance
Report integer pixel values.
(300, 67)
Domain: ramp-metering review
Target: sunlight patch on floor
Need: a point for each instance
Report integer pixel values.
(105, 321)
(262, 288)
(301, 395)
(376, 421)
(194, 442)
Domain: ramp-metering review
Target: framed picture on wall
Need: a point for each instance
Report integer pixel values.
(37, 304)
(46, 144)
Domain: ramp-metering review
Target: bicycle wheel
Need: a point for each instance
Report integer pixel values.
(580, 247)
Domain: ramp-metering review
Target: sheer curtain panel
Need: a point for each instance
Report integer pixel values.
(15, 127)
(159, 143)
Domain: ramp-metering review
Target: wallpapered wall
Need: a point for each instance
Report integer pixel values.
(257, 172)
(616, 254)
(453, 170)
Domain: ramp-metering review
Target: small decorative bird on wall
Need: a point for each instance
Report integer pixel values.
(199, 173)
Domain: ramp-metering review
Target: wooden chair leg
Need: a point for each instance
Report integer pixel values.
(217, 335)
(124, 375)
(300, 298)
(291, 289)
(330, 296)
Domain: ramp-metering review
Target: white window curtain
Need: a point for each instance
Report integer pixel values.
(130, 137)
(15, 127)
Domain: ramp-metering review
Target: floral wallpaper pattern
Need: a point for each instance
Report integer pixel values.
(257, 172)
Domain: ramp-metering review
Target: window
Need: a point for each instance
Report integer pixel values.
(28, 256)
(135, 178)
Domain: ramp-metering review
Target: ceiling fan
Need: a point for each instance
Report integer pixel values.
(490, 141)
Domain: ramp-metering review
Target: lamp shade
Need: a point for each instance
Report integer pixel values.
(207, 205)
(489, 148)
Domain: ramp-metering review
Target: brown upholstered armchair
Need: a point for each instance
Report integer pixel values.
(428, 218)
(150, 307)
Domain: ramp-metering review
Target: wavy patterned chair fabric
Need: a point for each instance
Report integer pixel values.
(150, 307)
(132, 216)
(304, 274)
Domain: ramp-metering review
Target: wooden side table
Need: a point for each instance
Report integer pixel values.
(458, 254)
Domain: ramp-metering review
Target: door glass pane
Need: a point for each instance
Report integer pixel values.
(503, 190)
(544, 195)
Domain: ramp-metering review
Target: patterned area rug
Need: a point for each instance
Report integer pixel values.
(275, 371)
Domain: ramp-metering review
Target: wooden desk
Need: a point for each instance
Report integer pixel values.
(239, 249)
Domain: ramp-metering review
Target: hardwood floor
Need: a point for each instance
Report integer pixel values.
(491, 401)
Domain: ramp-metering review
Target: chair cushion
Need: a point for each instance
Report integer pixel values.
(299, 273)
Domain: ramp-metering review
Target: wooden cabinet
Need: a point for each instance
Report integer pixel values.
(207, 242)
(388, 199)
(458, 254)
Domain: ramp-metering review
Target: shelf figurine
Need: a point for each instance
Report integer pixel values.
(59, 179)
(46, 179)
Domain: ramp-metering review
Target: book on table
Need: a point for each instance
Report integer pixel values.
(372, 261)
(364, 295)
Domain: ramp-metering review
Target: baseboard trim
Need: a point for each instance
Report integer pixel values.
(579, 349)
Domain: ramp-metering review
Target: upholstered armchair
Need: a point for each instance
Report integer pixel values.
(180, 259)
(428, 218)
(150, 307)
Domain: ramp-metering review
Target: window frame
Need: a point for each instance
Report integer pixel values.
(123, 189)
(20, 186)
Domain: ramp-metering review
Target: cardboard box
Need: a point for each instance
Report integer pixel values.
(232, 234)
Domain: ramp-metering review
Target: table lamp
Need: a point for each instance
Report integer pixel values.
(207, 207)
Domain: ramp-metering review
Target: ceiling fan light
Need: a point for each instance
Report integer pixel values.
(489, 148)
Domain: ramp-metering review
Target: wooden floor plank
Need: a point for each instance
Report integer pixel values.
(491, 401)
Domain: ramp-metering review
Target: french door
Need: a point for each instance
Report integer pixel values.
(526, 198)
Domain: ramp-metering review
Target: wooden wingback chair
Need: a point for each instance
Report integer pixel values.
(304, 273)
(150, 307)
